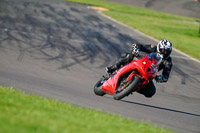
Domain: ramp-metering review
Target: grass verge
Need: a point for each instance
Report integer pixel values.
(183, 32)
(23, 113)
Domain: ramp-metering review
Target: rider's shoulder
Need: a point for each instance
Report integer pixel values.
(168, 60)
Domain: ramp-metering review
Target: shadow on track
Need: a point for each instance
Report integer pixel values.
(161, 108)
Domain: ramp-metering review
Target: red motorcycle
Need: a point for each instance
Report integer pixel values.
(130, 78)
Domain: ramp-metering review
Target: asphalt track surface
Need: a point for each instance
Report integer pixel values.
(60, 49)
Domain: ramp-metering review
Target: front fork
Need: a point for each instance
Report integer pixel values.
(132, 74)
(142, 84)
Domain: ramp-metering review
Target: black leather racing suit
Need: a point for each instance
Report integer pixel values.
(166, 66)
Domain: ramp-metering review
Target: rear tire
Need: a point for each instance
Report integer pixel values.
(127, 90)
(97, 88)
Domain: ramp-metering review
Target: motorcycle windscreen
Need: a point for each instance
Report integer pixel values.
(155, 58)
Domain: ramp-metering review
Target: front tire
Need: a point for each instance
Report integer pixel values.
(97, 88)
(128, 89)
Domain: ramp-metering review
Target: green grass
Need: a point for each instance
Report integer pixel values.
(183, 32)
(23, 113)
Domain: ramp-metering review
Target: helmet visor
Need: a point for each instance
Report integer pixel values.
(166, 53)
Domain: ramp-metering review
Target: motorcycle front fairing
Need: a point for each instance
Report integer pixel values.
(110, 85)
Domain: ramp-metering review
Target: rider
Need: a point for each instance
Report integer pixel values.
(164, 47)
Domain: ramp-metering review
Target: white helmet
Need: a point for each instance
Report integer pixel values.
(164, 47)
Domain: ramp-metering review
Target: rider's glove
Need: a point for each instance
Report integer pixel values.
(159, 78)
(135, 50)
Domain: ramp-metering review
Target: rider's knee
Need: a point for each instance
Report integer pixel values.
(150, 94)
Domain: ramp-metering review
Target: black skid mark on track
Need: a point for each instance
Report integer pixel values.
(73, 36)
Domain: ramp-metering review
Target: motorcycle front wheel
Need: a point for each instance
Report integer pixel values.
(127, 88)
(97, 88)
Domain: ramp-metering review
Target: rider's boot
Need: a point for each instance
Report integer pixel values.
(111, 69)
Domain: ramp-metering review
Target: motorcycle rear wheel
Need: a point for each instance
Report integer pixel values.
(97, 88)
(127, 89)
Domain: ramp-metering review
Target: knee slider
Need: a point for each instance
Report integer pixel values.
(150, 94)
